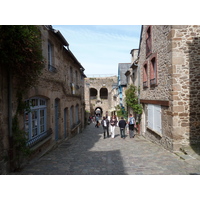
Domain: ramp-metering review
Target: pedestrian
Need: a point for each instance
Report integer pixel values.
(105, 125)
(113, 123)
(122, 125)
(89, 120)
(93, 119)
(97, 122)
(131, 124)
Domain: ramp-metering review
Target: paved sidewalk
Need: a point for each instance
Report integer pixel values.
(88, 153)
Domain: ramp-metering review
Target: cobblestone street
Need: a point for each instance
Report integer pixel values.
(88, 153)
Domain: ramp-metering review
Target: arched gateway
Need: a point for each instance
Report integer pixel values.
(99, 95)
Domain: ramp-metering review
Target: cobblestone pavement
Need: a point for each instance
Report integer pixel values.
(88, 153)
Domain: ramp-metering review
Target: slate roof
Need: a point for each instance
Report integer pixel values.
(122, 69)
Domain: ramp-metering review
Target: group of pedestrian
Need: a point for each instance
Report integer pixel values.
(113, 122)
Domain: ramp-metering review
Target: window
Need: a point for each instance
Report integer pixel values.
(93, 93)
(71, 75)
(153, 72)
(154, 118)
(148, 41)
(77, 114)
(76, 77)
(72, 116)
(50, 58)
(104, 93)
(145, 76)
(35, 120)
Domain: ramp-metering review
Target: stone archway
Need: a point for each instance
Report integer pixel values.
(98, 111)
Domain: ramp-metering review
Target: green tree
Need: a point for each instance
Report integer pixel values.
(121, 112)
(132, 100)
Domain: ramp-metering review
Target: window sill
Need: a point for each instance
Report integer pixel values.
(39, 144)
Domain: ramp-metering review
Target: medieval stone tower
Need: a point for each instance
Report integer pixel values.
(101, 95)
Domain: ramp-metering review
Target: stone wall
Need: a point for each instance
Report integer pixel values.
(51, 86)
(98, 83)
(177, 50)
(186, 83)
(161, 92)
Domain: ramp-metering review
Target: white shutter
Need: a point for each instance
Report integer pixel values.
(157, 119)
(154, 118)
(150, 116)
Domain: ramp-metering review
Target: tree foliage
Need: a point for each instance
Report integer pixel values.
(121, 112)
(132, 99)
(21, 53)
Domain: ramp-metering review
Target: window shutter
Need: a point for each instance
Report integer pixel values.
(150, 116)
(154, 118)
(157, 119)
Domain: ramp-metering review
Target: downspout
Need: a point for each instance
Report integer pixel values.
(9, 104)
(10, 135)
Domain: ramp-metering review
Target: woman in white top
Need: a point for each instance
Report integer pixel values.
(113, 124)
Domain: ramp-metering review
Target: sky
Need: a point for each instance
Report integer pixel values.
(99, 48)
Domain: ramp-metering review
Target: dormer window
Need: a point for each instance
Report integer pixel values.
(50, 58)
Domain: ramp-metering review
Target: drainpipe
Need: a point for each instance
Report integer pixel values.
(9, 103)
(10, 135)
(138, 83)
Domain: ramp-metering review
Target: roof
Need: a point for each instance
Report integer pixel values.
(58, 34)
(122, 69)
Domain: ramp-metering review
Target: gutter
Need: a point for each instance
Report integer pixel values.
(139, 68)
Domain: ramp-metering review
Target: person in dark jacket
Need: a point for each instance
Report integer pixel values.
(122, 125)
(105, 125)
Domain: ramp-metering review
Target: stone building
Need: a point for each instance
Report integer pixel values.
(101, 95)
(132, 74)
(57, 102)
(170, 84)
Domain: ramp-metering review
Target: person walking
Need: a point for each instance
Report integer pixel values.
(113, 123)
(97, 122)
(122, 125)
(105, 125)
(131, 124)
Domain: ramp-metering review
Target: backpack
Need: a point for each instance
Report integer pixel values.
(131, 120)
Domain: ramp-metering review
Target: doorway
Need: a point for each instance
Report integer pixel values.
(57, 102)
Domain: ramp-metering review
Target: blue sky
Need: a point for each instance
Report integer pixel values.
(99, 48)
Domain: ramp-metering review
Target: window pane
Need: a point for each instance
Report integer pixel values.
(34, 123)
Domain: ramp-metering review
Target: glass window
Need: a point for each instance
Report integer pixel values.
(35, 120)
(153, 72)
(145, 76)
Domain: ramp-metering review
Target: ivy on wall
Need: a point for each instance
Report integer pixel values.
(21, 56)
(21, 53)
